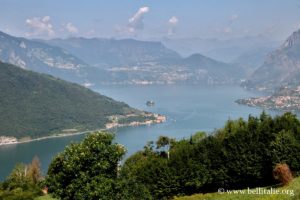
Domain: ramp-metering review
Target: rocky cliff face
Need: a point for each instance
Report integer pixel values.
(280, 68)
(40, 57)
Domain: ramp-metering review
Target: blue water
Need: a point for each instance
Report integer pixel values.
(188, 110)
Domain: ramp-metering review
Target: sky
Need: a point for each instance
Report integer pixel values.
(150, 19)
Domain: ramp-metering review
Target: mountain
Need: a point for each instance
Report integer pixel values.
(99, 61)
(226, 50)
(112, 52)
(131, 61)
(34, 105)
(44, 58)
(252, 59)
(280, 68)
(212, 71)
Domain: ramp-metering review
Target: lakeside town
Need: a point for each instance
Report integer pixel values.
(285, 99)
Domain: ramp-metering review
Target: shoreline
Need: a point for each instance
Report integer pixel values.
(48, 137)
(131, 124)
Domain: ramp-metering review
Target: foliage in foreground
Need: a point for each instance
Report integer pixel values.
(23, 183)
(240, 155)
(89, 170)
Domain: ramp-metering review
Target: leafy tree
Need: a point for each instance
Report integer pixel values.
(197, 137)
(89, 170)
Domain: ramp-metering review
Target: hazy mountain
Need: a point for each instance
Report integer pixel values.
(252, 59)
(224, 50)
(280, 68)
(44, 58)
(131, 61)
(111, 52)
(33, 104)
(109, 61)
(212, 71)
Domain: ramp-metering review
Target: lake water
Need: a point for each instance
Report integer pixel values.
(188, 110)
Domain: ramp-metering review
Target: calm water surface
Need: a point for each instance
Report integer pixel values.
(188, 109)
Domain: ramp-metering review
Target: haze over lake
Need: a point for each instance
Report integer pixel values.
(188, 109)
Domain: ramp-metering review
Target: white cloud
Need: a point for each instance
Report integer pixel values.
(172, 23)
(234, 17)
(228, 27)
(40, 26)
(136, 22)
(71, 28)
(173, 20)
(91, 33)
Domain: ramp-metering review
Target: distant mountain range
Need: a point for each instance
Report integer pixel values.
(280, 68)
(109, 61)
(34, 105)
(131, 61)
(116, 53)
(226, 50)
(252, 59)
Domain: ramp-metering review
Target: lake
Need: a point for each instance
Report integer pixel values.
(188, 110)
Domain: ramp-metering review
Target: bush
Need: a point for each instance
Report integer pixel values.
(283, 173)
(23, 182)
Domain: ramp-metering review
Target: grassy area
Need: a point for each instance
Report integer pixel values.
(46, 197)
(294, 188)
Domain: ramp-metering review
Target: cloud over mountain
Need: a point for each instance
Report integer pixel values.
(71, 28)
(136, 22)
(172, 23)
(40, 26)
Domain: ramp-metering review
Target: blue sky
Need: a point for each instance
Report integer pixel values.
(146, 19)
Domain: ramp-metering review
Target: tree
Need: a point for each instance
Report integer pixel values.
(164, 142)
(197, 137)
(89, 170)
(34, 170)
(23, 182)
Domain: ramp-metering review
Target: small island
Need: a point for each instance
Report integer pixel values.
(150, 103)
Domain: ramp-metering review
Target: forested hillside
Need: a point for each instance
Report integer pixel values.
(33, 104)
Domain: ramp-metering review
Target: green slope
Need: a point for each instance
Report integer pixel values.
(35, 105)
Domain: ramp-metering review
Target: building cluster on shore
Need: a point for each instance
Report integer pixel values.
(156, 120)
(286, 99)
(7, 140)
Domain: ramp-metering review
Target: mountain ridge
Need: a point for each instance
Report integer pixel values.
(100, 61)
(280, 68)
